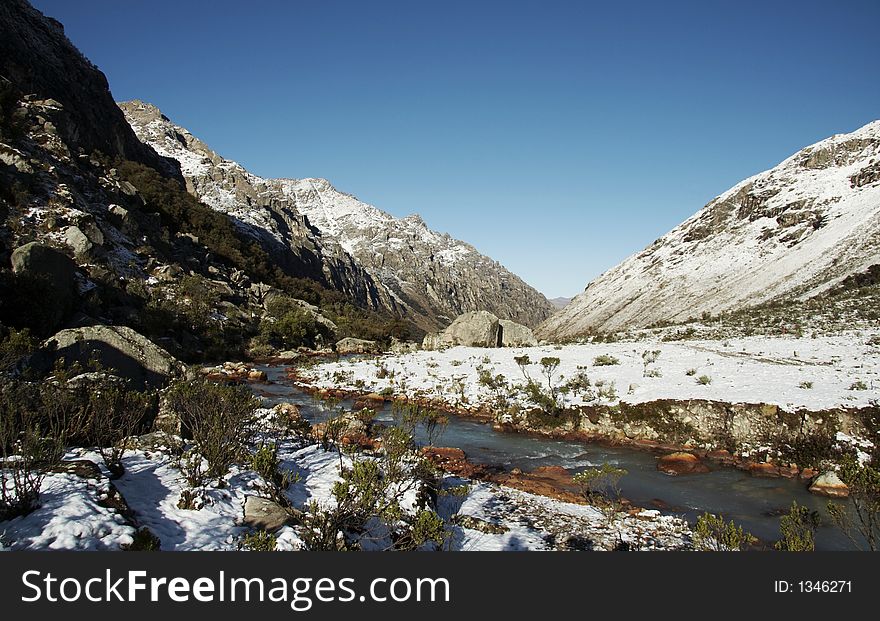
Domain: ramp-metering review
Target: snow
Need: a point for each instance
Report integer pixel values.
(743, 370)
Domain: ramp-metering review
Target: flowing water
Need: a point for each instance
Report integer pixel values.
(752, 502)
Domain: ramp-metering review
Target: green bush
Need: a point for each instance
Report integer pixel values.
(259, 541)
(713, 534)
(798, 530)
(605, 360)
(220, 419)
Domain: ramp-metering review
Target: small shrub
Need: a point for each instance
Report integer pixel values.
(259, 541)
(220, 419)
(712, 533)
(143, 541)
(798, 530)
(605, 360)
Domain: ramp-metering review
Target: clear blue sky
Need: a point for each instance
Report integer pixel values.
(557, 137)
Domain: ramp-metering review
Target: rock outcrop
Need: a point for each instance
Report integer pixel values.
(37, 57)
(120, 351)
(791, 232)
(481, 329)
(356, 346)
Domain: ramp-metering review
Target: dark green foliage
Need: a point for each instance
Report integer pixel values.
(259, 541)
(14, 345)
(144, 541)
(713, 534)
(23, 304)
(220, 419)
(798, 530)
(860, 520)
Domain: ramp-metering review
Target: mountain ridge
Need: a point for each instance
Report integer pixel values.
(791, 231)
(426, 276)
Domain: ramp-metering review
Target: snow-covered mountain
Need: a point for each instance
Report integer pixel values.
(426, 276)
(790, 232)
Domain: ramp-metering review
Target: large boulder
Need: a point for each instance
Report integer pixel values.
(356, 346)
(516, 335)
(56, 269)
(474, 329)
(119, 349)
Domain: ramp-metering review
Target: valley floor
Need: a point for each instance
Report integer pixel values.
(792, 372)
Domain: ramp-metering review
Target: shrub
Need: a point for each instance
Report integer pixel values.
(265, 463)
(114, 415)
(798, 530)
(259, 541)
(861, 523)
(28, 448)
(712, 533)
(605, 360)
(144, 541)
(220, 419)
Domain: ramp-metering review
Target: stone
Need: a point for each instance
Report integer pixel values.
(119, 349)
(829, 484)
(516, 335)
(78, 242)
(356, 346)
(256, 375)
(681, 463)
(475, 329)
(264, 514)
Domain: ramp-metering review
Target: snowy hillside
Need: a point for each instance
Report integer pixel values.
(427, 276)
(792, 231)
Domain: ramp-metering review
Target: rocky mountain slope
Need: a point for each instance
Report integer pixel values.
(427, 276)
(791, 232)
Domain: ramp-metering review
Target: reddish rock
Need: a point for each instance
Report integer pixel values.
(721, 455)
(808, 474)
(763, 469)
(681, 463)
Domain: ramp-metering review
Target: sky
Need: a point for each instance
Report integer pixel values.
(556, 137)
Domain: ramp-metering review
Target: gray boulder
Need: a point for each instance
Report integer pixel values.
(356, 346)
(474, 329)
(516, 335)
(119, 349)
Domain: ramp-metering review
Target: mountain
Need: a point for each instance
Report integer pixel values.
(560, 302)
(427, 277)
(37, 58)
(791, 232)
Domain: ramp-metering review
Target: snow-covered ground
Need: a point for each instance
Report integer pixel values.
(74, 512)
(813, 373)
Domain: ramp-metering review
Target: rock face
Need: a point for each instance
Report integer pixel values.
(791, 232)
(396, 264)
(829, 484)
(119, 349)
(37, 57)
(481, 329)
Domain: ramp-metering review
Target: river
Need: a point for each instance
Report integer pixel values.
(755, 503)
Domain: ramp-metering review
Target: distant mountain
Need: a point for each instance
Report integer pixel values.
(791, 232)
(425, 276)
(560, 302)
